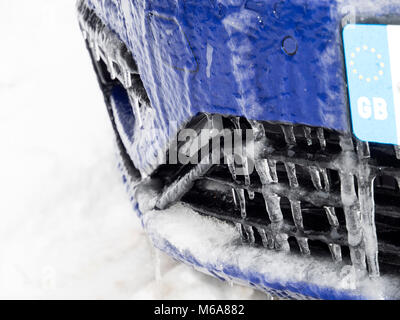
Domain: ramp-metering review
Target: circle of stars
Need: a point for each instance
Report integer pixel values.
(362, 77)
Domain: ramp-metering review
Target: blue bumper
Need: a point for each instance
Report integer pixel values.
(264, 60)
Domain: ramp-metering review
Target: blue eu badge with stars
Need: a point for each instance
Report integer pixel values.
(372, 54)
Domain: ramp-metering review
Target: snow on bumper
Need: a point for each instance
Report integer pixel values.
(214, 247)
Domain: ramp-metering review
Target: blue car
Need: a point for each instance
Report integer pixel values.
(259, 140)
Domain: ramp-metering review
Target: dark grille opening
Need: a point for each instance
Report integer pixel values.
(282, 174)
(294, 246)
(319, 248)
(384, 155)
(314, 218)
(308, 139)
(346, 255)
(386, 183)
(303, 177)
(340, 216)
(387, 199)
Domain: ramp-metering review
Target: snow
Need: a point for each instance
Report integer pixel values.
(66, 226)
(215, 245)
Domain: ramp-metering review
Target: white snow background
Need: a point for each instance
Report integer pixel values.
(67, 230)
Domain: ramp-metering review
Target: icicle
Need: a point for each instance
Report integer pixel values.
(336, 252)
(289, 135)
(332, 217)
(363, 150)
(397, 151)
(315, 177)
(272, 170)
(291, 173)
(303, 245)
(367, 207)
(266, 169)
(263, 170)
(263, 236)
(307, 134)
(258, 129)
(346, 143)
(247, 180)
(273, 206)
(252, 195)
(230, 160)
(298, 221)
(250, 234)
(111, 69)
(267, 239)
(327, 184)
(353, 221)
(321, 138)
(259, 135)
(134, 100)
(281, 242)
(127, 79)
(138, 116)
(242, 202)
(236, 122)
(239, 228)
(297, 215)
(96, 50)
(272, 203)
(243, 159)
(234, 197)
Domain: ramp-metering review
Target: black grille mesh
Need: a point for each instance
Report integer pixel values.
(316, 192)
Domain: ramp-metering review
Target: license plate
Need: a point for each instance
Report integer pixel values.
(372, 55)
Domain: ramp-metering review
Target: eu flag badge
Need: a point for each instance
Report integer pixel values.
(372, 55)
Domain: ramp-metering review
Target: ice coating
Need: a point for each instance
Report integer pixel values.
(367, 208)
(315, 177)
(298, 220)
(272, 201)
(272, 237)
(321, 138)
(332, 218)
(291, 172)
(174, 192)
(359, 213)
(249, 64)
(307, 134)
